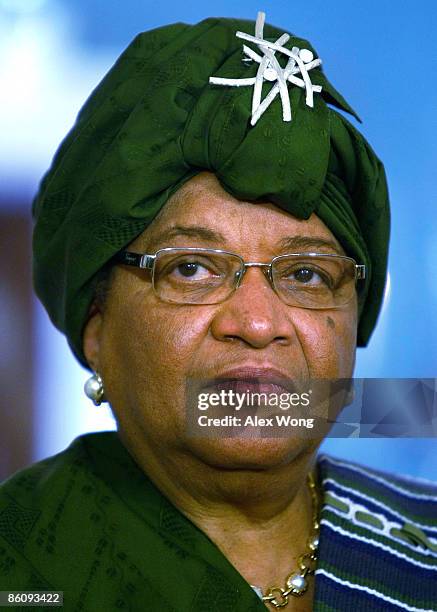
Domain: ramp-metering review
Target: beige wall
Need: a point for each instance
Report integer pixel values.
(16, 416)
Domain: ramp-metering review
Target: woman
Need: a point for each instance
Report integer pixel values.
(186, 165)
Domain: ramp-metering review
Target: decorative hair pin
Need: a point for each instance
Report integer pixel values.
(300, 62)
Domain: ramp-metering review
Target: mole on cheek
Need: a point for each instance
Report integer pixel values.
(330, 322)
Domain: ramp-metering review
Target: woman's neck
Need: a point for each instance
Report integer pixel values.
(259, 519)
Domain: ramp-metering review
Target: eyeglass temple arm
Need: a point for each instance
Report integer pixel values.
(361, 271)
(136, 260)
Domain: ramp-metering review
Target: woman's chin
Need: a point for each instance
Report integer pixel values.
(248, 453)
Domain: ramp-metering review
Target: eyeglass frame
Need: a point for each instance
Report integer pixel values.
(146, 261)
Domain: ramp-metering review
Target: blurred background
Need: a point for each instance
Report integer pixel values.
(380, 54)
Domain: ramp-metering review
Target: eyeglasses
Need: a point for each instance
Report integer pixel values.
(210, 276)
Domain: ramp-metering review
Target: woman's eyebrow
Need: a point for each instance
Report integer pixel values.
(304, 243)
(193, 231)
(290, 243)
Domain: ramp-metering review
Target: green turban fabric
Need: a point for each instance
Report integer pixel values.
(155, 120)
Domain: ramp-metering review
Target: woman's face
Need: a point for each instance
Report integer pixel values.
(145, 349)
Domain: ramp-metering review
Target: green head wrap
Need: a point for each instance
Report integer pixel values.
(155, 121)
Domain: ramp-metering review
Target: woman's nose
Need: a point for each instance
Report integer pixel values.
(254, 313)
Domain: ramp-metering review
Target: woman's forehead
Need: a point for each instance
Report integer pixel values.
(201, 211)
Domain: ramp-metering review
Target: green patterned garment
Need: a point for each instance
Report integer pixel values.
(90, 523)
(155, 121)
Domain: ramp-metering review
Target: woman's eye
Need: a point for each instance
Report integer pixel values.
(304, 275)
(190, 269)
(307, 276)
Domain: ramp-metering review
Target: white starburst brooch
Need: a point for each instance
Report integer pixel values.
(300, 62)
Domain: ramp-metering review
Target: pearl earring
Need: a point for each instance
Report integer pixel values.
(94, 389)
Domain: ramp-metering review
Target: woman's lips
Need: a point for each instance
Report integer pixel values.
(250, 371)
(242, 386)
(253, 380)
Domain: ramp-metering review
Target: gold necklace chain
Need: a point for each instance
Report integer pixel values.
(296, 583)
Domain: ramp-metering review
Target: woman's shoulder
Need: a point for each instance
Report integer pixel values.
(50, 509)
(41, 480)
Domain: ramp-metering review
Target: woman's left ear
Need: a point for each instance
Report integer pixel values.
(91, 339)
